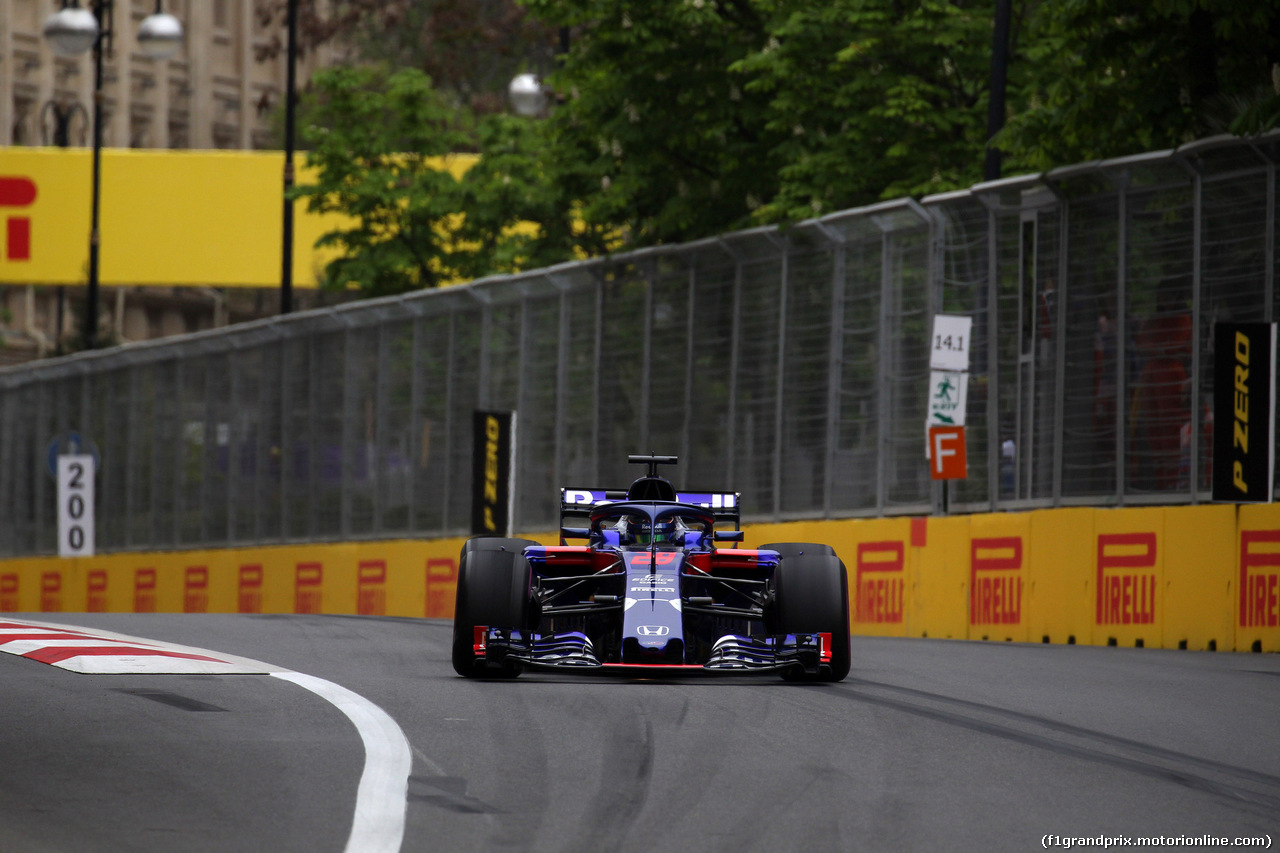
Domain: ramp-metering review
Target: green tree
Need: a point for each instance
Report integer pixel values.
(685, 118)
(435, 195)
(1105, 78)
(470, 48)
(655, 136)
(680, 119)
(372, 138)
(518, 212)
(872, 99)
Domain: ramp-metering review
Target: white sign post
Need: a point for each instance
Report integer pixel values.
(75, 505)
(948, 394)
(949, 347)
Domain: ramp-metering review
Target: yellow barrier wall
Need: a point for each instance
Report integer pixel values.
(998, 561)
(1204, 577)
(396, 578)
(1128, 579)
(939, 577)
(1061, 569)
(1256, 607)
(1200, 587)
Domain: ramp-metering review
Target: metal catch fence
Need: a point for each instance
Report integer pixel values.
(790, 365)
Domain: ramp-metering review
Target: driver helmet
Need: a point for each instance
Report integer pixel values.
(648, 533)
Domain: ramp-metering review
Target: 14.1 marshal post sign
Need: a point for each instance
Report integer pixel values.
(493, 473)
(948, 395)
(1244, 414)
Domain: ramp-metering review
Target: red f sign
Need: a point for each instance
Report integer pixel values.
(947, 459)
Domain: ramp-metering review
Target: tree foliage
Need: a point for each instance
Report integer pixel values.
(873, 100)
(470, 48)
(680, 119)
(1105, 78)
(378, 142)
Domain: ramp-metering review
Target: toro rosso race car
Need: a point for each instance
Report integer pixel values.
(650, 593)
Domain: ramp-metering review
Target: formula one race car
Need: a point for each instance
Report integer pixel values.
(650, 594)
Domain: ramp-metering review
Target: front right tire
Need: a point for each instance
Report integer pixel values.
(812, 589)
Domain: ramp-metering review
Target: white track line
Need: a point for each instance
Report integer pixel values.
(383, 794)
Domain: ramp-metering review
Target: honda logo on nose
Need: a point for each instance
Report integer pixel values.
(653, 630)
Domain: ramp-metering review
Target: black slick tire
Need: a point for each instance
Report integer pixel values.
(493, 590)
(813, 598)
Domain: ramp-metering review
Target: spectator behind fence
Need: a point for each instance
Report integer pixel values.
(1160, 403)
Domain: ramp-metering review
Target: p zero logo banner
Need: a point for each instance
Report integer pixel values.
(1244, 414)
(492, 473)
(995, 584)
(881, 582)
(1126, 579)
(308, 588)
(1259, 578)
(249, 589)
(371, 583)
(17, 192)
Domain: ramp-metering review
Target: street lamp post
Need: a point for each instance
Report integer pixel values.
(999, 82)
(290, 113)
(528, 95)
(71, 31)
(60, 115)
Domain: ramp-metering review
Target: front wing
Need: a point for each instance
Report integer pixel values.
(732, 654)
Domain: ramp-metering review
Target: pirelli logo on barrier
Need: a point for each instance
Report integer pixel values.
(371, 588)
(881, 582)
(442, 585)
(308, 588)
(995, 581)
(51, 592)
(97, 591)
(249, 589)
(1126, 579)
(195, 590)
(1259, 578)
(9, 592)
(144, 591)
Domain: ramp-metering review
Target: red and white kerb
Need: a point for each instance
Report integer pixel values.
(114, 654)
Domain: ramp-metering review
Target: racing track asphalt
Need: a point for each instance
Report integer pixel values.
(929, 745)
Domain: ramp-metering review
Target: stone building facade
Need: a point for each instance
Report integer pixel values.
(221, 89)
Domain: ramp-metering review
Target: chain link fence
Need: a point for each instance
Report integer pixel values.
(790, 365)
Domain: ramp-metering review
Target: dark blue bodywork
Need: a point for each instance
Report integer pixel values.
(651, 592)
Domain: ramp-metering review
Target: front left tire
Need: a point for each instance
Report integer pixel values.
(494, 590)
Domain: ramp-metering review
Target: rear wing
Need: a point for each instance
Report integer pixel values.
(579, 503)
